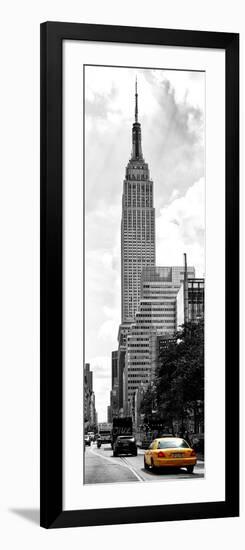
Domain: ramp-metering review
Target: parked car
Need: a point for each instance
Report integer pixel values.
(125, 445)
(170, 452)
(87, 440)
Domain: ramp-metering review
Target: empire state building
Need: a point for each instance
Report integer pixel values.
(137, 226)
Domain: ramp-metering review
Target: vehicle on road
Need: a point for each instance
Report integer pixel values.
(121, 426)
(91, 435)
(172, 452)
(125, 445)
(104, 432)
(87, 440)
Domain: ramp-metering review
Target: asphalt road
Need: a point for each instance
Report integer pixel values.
(102, 467)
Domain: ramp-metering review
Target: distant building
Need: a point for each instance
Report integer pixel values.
(138, 398)
(196, 304)
(114, 368)
(87, 391)
(114, 393)
(109, 415)
(161, 344)
(114, 399)
(92, 410)
(88, 377)
(121, 366)
(90, 415)
(124, 329)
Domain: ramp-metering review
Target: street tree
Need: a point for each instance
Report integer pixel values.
(178, 390)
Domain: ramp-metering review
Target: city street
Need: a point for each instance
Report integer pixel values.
(102, 467)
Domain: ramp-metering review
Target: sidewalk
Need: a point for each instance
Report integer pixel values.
(200, 456)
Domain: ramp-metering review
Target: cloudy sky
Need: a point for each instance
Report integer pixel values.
(171, 113)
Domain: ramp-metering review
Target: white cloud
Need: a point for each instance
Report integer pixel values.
(186, 85)
(174, 195)
(109, 327)
(180, 228)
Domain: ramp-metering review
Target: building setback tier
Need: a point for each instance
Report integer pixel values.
(157, 314)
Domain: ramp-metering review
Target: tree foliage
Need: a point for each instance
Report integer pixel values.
(179, 383)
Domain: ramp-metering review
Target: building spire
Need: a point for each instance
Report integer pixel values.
(136, 101)
(136, 134)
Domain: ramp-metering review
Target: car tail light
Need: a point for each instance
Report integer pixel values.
(193, 453)
(161, 454)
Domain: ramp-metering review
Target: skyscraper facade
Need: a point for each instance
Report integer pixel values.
(137, 238)
(114, 373)
(196, 300)
(114, 394)
(156, 315)
(137, 226)
(88, 398)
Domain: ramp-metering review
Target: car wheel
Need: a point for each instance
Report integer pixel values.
(114, 453)
(190, 469)
(153, 467)
(135, 453)
(146, 466)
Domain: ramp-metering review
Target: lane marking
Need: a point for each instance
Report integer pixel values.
(107, 458)
(104, 457)
(121, 463)
(132, 469)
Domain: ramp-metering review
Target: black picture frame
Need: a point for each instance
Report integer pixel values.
(52, 35)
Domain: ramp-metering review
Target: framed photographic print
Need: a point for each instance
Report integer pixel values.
(139, 274)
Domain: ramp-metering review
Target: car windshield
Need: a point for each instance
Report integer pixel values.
(172, 444)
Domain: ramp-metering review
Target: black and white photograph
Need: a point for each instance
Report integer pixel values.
(144, 275)
(122, 263)
(139, 271)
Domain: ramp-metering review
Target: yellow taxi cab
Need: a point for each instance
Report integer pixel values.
(170, 452)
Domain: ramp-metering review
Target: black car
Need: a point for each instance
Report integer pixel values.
(125, 444)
